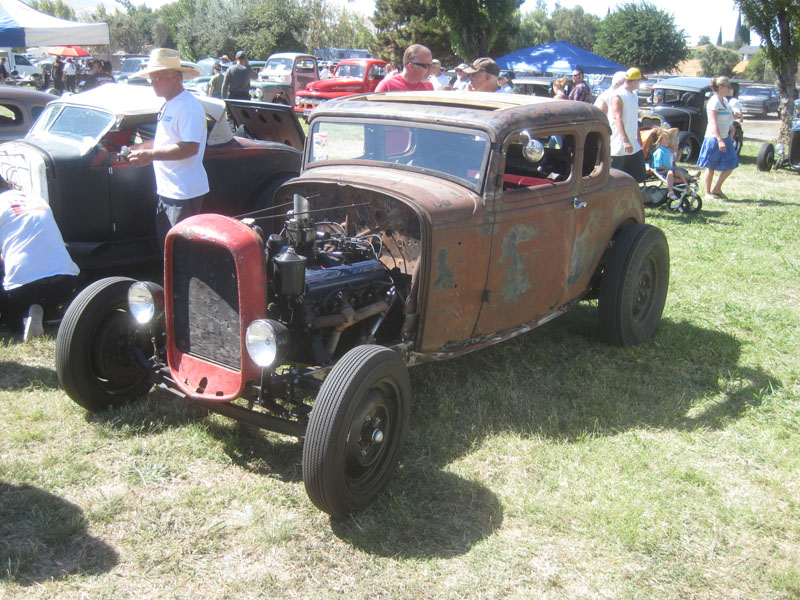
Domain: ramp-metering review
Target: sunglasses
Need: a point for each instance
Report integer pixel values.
(423, 65)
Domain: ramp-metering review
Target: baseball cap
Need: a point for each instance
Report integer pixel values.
(485, 64)
(462, 66)
(241, 54)
(633, 73)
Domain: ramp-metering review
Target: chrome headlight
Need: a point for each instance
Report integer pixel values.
(266, 341)
(146, 301)
(780, 149)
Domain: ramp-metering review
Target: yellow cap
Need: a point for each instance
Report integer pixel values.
(633, 73)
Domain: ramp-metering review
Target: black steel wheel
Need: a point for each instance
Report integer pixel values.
(356, 430)
(634, 286)
(95, 345)
(766, 157)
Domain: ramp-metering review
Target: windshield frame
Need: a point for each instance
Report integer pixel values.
(42, 128)
(476, 185)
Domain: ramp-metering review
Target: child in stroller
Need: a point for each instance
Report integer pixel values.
(681, 193)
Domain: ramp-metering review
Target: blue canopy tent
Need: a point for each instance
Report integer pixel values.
(557, 57)
(21, 26)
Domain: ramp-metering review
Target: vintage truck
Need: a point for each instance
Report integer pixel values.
(285, 74)
(423, 226)
(352, 76)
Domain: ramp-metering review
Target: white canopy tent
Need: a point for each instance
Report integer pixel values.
(22, 26)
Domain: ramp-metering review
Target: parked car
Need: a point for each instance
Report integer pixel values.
(352, 76)
(776, 156)
(759, 100)
(19, 108)
(425, 225)
(533, 86)
(646, 86)
(104, 205)
(283, 76)
(681, 102)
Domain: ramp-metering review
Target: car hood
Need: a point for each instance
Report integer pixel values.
(674, 114)
(752, 98)
(336, 84)
(267, 122)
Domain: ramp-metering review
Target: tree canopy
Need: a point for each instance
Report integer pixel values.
(662, 45)
(477, 25)
(716, 61)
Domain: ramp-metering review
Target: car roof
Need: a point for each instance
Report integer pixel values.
(481, 110)
(136, 104)
(291, 55)
(25, 95)
(688, 84)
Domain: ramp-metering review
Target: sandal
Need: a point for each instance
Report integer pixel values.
(719, 195)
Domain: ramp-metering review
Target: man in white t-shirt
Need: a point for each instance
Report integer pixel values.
(439, 80)
(38, 273)
(626, 145)
(70, 75)
(179, 144)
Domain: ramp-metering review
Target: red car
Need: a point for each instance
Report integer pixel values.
(352, 76)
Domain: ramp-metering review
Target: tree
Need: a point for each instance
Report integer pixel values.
(715, 61)
(535, 28)
(400, 23)
(333, 26)
(758, 69)
(476, 25)
(641, 35)
(741, 34)
(575, 26)
(56, 9)
(704, 40)
(778, 24)
(719, 37)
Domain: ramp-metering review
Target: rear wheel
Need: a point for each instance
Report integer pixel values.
(634, 286)
(766, 157)
(95, 347)
(356, 430)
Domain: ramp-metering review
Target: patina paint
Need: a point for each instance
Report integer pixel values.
(517, 269)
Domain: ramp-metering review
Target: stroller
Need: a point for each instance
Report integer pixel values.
(654, 189)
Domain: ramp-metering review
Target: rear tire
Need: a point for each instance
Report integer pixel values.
(634, 286)
(766, 157)
(95, 344)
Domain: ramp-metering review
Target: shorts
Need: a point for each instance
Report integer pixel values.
(632, 164)
(170, 211)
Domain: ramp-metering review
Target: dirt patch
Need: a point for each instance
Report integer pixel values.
(762, 130)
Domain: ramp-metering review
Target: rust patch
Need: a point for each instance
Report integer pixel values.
(517, 282)
(445, 280)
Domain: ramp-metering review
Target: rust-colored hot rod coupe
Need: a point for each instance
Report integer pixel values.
(423, 226)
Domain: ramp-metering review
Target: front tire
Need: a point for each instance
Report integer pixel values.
(356, 430)
(688, 147)
(766, 157)
(633, 290)
(95, 344)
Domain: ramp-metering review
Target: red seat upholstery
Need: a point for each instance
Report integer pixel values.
(518, 181)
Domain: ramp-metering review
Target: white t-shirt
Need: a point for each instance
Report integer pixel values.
(461, 85)
(630, 121)
(606, 97)
(439, 82)
(69, 68)
(724, 117)
(182, 120)
(30, 242)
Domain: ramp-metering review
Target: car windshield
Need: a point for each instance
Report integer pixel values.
(75, 123)
(356, 71)
(754, 91)
(279, 64)
(456, 153)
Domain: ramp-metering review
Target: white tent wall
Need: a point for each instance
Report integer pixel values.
(21, 25)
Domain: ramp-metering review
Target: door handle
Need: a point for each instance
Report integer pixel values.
(577, 203)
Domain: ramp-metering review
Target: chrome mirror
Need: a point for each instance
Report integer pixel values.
(533, 151)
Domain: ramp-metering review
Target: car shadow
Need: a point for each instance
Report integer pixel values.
(16, 376)
(44, 538)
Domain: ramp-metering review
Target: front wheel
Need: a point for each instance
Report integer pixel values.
(634, 286)
(356, 430)
(95, 346)
(766, 157)
(688, 147)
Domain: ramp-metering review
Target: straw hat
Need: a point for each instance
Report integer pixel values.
(165, 59)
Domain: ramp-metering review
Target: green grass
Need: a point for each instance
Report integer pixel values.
(550, 466)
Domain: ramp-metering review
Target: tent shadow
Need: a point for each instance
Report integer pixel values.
(44, 538)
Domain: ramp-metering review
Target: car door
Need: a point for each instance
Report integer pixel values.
(532, 236)
(131, 189)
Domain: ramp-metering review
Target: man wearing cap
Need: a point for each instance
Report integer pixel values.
(603, 99)
(580, 91)
(626, 145)
(461, 84)
(177, 149)
(439, 80)
(236, 83)
(483, 73)
(417, 62)
(504, 81)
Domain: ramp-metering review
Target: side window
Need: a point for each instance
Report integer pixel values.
(10, 115)
(555, 167)
(593, 155)
(21, 60)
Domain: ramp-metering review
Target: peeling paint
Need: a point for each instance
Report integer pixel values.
(445, 280)
(517, 282)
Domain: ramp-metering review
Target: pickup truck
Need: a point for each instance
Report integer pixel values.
(352, 76)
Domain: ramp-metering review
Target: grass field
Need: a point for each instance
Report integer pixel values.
(551, 466)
